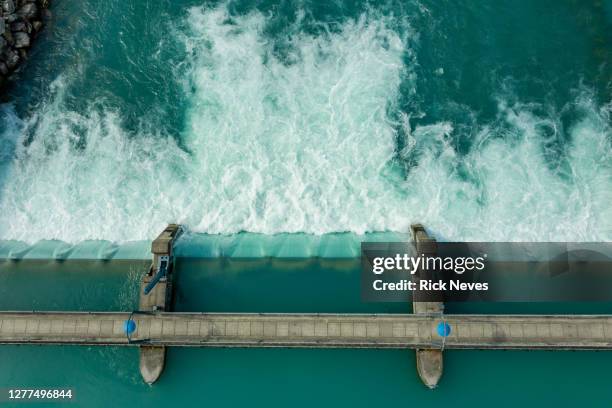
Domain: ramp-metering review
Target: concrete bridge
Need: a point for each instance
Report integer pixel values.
(552, 332)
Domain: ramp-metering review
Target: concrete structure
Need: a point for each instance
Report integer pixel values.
(552, 332)
(429, 361)
(156, 327)
(153, 358)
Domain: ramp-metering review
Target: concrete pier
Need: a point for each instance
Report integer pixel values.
(530, 332)
(153, 358)
(429, 361)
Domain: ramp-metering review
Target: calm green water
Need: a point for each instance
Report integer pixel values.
(484, 120)
(279, 377)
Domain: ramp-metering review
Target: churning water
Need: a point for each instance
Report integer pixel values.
(482, 120)
(477, 121)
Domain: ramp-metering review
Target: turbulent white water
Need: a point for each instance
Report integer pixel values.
(305, 146)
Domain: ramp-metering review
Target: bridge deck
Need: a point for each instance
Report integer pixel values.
(310, 330)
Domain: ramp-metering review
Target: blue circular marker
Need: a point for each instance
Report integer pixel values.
(129, 326)
(444, 329)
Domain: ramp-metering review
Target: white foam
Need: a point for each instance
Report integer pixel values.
(512, 193)
(83, 177)
(296, 147)
(304, 146)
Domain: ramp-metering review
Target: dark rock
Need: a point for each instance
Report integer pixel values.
(20, 20)
(29, 11)
(22, 40)
(11, 58)
(8, 36)
(21, 25)
(18, 25)
(8, 6)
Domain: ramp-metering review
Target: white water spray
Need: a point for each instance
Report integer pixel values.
(298, 144)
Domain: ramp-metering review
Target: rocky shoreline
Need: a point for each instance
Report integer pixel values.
(20, 22)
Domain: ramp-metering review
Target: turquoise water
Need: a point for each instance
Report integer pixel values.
(482, 120)
(276, 377)
(190, 244)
